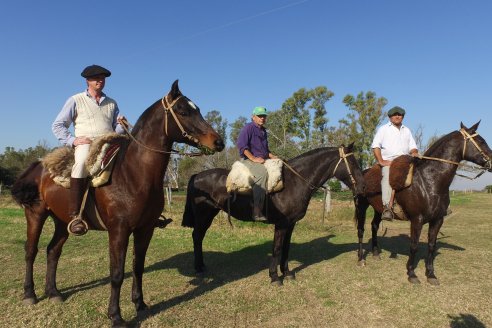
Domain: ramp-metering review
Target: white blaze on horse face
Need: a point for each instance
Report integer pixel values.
(191, 104)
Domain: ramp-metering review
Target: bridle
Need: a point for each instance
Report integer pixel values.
(467, 137)
(168, 108)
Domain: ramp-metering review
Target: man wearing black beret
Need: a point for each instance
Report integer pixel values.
(392, 140)
(92, 114)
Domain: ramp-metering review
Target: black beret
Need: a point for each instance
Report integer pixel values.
(94, 70)
(395, 110)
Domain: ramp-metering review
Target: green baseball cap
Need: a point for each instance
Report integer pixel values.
(260, 111)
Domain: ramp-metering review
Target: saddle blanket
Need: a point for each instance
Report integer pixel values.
(240, 178)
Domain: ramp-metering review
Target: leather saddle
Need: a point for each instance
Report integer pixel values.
(401, 176)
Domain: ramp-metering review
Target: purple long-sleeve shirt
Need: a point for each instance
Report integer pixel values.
(255, 139)
(67, 116)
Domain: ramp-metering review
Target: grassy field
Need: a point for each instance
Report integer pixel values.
(330, 289)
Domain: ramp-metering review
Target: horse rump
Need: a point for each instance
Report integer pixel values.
(25, 190)
(189, 212)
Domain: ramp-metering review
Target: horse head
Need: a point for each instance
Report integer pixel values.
(191, 127)
(475, 148)
(348, 170)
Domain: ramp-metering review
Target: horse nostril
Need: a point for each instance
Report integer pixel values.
(219, 144)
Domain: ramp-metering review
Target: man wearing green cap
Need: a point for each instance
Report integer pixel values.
(392, 140)
(252, 144)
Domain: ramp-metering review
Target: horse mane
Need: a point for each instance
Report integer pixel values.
(309, 153)
(144, 117)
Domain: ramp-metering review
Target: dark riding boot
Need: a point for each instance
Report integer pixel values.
(77, 189)
(387, 214)
(258, 215)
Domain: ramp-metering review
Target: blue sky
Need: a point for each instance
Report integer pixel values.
(431, 57)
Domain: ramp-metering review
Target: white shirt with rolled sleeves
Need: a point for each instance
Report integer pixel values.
(393, 142)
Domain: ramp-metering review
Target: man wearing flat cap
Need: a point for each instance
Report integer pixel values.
(252, 144)
(92, 114)
(392, 140)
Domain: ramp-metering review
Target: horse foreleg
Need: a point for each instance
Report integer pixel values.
(141, 243)
(118, 245)
(35, 221)
(360, 217)
(284, 259)
(434, 228)
(415, 230)
(54, 251)
(376, 221)
(278, 241)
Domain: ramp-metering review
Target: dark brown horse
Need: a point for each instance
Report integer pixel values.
(427, 199)
(130, 203)
(207, 195)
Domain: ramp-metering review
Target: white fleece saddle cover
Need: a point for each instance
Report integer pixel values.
(99, 163)
(240, 178)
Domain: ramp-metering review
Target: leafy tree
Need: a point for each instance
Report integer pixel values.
(361, 123)
(236, 127)
(319, 95)
(335, 185)
(214, 118)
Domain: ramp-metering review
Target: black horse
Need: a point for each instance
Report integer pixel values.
(207, 195)
(426, 200)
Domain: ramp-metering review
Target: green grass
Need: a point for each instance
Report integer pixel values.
(330, 289)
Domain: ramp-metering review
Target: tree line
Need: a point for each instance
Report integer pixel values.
(298, 125)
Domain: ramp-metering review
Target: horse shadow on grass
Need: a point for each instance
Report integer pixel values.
(400, 245)
(224, 268)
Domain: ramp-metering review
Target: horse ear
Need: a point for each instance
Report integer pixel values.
(351, 146)
(175, 92)
(475, 126)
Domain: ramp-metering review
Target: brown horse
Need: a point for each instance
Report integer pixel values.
(427, 198)
(130, 203)
(303, 175)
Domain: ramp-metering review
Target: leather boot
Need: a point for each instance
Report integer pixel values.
(258, 215)
(387, 214)
(77, 190)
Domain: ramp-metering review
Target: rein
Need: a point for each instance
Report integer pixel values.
(167, 108)
(467, 137)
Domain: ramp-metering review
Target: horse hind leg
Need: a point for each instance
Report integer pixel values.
(284, 259)
(278, 241)
(376, 221)
(35, 217)
(54, 251)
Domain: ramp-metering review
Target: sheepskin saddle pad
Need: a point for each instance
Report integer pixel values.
(99, 163)
(240, 179)
(401, 175)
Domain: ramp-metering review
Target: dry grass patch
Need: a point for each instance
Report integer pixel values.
(330, 290)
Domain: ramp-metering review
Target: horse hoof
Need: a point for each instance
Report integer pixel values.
(414, 280)
(277, 283)
(361, 263)
(140, 307)
(30, 301)
(290, 276)
(56, 299)
(433, 281)
(120, 323)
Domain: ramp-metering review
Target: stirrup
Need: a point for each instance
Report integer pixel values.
(387, 214)
(74, 221)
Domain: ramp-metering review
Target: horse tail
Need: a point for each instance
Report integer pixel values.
(189, 211)
(25, 190)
